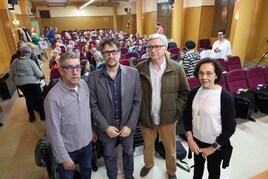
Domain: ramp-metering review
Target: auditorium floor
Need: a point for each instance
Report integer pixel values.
(18, 138)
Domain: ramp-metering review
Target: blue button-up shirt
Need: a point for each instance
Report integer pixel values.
(115, 88)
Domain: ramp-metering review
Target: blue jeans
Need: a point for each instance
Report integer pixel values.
(83, 158)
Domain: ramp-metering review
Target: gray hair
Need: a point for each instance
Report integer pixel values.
(25, 50)
(67, 55)
(158, 36)
(99, 55)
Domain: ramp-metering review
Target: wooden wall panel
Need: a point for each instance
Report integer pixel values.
(206, 22)
(150, 19)
(76, 23)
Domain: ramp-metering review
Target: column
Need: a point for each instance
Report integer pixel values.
(115, 17)
(7, 45)
(242, 29)
(177, 17)
(24, 19)
(139, 16)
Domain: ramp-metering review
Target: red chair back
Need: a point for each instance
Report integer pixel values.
(235, 80)
(233, 63)
(255, 76)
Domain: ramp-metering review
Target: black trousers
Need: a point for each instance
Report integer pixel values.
(34, 99)
(213, 162)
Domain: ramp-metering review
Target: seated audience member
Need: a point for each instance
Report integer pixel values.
(85, 69)
(77, 52)
(54, 71)
(139, 49)
(133, 61)
(69, 48)
(53, 54)
(190, 59)
(91, 66)
(99, 60)
(145, 56)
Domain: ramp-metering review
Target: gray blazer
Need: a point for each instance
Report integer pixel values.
(101, 100)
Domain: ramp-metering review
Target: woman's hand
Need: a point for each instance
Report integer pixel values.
(207, 151)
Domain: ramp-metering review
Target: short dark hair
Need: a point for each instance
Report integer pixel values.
(217, 68)
(190, 44)
(109, 41)
(221, 30)
(67, 55)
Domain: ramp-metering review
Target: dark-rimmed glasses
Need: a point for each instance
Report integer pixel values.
(156, 47)
(108, 53)
(71, 68)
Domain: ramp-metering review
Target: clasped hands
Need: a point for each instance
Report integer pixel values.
(113, 132)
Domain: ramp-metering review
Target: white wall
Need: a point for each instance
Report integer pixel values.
(72, 11)
(150, 5)
(198, 3)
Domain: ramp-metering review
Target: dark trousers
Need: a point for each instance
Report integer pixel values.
(34, 99)
(127, 155)
(83, 158)
(213, 163)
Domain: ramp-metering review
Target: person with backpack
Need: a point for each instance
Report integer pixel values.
(68, 119)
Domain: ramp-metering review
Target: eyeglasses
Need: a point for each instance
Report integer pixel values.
(108, 53)
(220, 34)
(208, 74)
(71, 68)
(156, 47)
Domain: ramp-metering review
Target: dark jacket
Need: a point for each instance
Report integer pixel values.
(174, 91)
(227, 115)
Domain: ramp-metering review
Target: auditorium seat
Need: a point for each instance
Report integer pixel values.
(244, 98)
(222, 63)
(266, 73)
(174, 50)
(128, 55)
(233, 63)
(193, 82)
(255, 76)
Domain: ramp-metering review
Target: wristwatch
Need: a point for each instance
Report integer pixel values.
(215, 145)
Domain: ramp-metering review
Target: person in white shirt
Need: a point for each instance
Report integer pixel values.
(222, 47)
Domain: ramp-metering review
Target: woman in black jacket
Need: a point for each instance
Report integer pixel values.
(209, 119)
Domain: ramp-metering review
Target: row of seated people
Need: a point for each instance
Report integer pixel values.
(129, 43)
(249, 87)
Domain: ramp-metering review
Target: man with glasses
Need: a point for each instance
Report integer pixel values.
(115, 104)
(222, 47)
(68, 119)
(164, 93)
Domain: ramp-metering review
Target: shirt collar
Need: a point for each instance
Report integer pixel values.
(68, 89)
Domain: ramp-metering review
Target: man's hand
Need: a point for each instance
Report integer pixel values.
(112, 131)
(94, 137)
(125, 131)
(69, 164)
